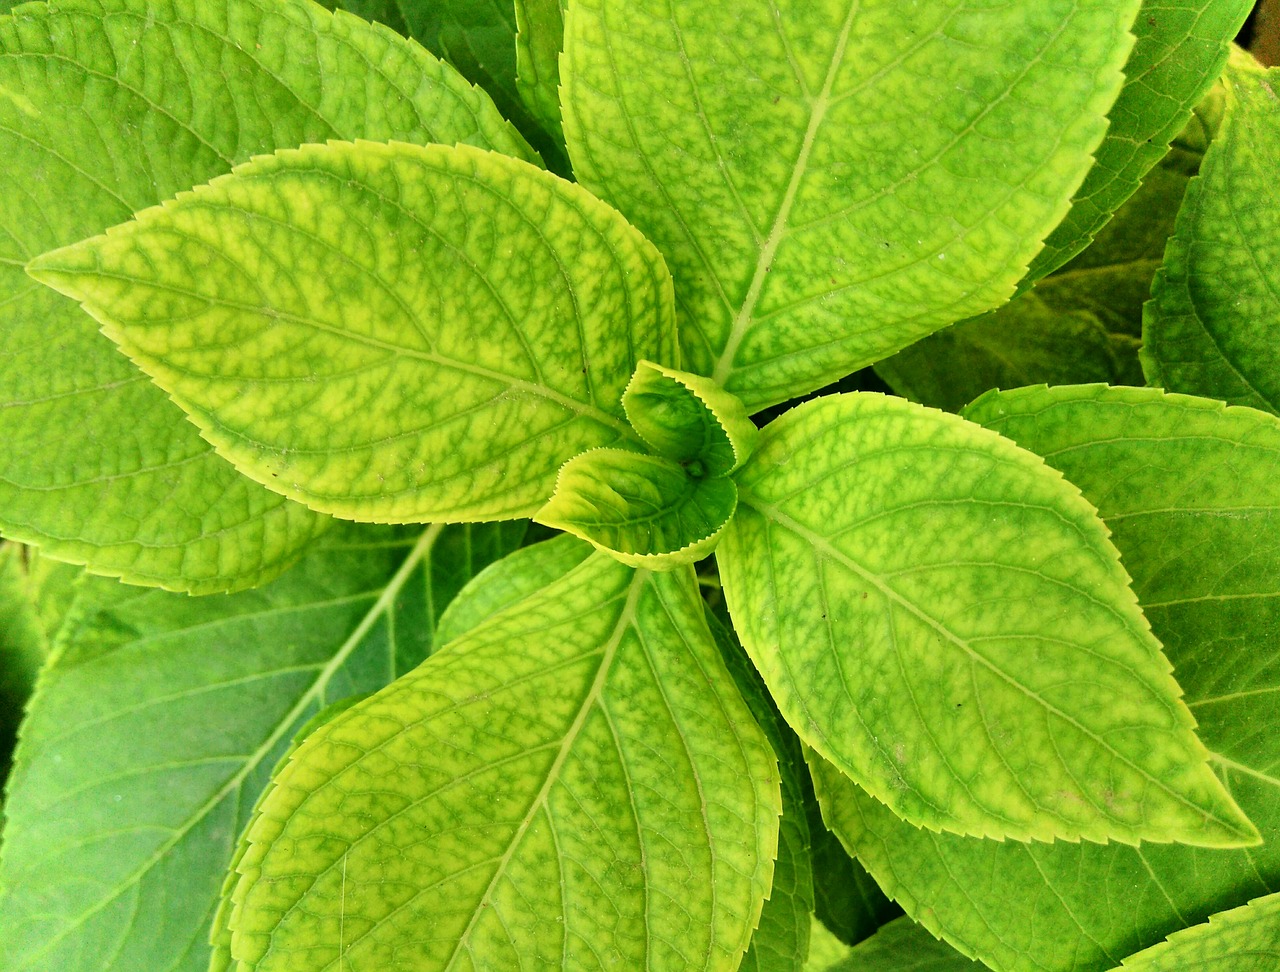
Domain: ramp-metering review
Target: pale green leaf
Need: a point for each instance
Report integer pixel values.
(1211, 327)
(1188, 488)
(539, 40)
(942, 616)
(646, 511)
(1245, 939)
(509, 580)
(160, 719)
(110, 106)
(825, 950)
(781, 940)
(832, 179)
(359, 337)
(1180, 51)
(478, 37)
(689, 418)
(537, 794)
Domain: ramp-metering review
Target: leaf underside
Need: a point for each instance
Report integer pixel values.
(1188, 489)
(345, 324)
(943, 617)
(539, 806)
(107, 108)
(827, 186)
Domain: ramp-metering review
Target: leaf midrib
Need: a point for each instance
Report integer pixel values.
(820, 543)
(421, 549)
(625, 619)
(114, 330)
(817, 114)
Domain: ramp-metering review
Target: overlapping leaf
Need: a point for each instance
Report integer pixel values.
(158, 724)
(829, 180)
(942, 616)
(1189, 490)
(347, 325)
(1180, 51)
(1211, 327)
(539, 792)
(112, 106)
(903, 946)
(539, 40)
(781, 941)
(1245, 939)
(22, 648)
(478, 37)
(644, 510)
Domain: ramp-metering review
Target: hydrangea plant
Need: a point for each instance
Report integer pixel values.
(526, 486)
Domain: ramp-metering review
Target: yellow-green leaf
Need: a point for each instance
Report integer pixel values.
(539, 793)
(349, 326)
(833, 179)
(942, 616)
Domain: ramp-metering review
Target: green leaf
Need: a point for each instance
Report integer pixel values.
(830, 180)
(1180, 51)
(643, 510)
(110, 106)
(1187, 488)
(1246, 939)
(942, 616)
(162, 716)
(513, 578)
(478, 37)
(847, 899)
(781, 940)
(359, 338)
(1026, 342)
(220, 930)
(689, 418)
(904, 946)
(537, 793)
(539, 40)
(1214, 315)
(1075, 325)
(825, 950)
(22, 648)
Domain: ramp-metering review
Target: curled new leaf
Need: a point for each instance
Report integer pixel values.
(689, 418)
(347, 325)
(646, 511)
(941, 616)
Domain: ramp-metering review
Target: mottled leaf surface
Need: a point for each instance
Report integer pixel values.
(108, 108)
(827, 185)
(1212, 324)
(646, 511)
(1078, 325)
(1245, 939)
(548, 805)
(689, 418)
(942, 616)
(346, 325)
(1180, 51)
(162, 716)
(1155, 465)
